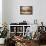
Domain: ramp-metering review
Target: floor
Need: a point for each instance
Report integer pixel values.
(36, 44)
(42, 45)
(33, 45)
(2, 45)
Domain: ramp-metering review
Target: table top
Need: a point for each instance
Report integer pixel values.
(22, 40)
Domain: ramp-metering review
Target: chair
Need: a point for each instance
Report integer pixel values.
(9, 42)
(42, 37)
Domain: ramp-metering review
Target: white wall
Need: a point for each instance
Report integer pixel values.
(15, 14)
(12, 11)
(4, 11)
(0, 13)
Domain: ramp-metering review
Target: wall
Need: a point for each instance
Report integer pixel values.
(15, 13)
(0, 13)
(4, 11)
(12, 11)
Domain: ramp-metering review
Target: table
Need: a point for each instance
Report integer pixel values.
(23, 42)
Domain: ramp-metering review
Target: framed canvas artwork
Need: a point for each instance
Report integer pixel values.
(26, 10)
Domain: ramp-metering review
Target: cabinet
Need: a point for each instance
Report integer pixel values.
(18, 29)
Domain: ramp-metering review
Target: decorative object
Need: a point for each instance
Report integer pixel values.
(2, 40)
(28, 34)
(26, 10)
(4, 32)
(35, 21)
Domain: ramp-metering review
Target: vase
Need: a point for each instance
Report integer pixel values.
(2, 40)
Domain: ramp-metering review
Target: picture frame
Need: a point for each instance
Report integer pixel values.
(26, 10)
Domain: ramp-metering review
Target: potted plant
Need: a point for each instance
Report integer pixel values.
(3, 34)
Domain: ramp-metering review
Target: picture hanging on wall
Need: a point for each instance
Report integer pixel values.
(26, 10)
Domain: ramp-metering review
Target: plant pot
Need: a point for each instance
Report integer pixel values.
(2, 40)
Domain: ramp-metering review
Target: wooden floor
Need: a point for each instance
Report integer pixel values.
(35, 43)
(42, 45)
(2, 45)
(32, 45)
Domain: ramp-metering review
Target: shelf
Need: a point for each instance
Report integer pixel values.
(12, 32)
(20, 29)
(23, 25)
(16, 32)
(19, 32)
